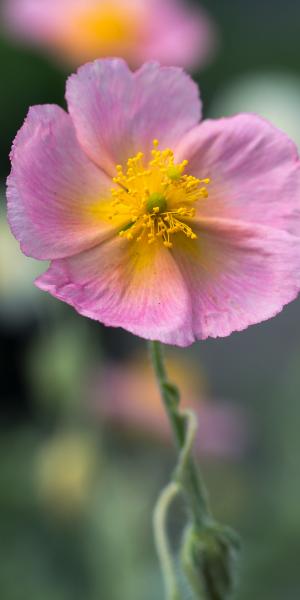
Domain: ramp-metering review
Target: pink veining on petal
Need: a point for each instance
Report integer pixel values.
(118, 113)
(113, 284)
(254, 170)
(244, 265)
(53, 187)
(239, 275)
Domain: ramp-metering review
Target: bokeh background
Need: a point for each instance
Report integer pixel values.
(84, 447)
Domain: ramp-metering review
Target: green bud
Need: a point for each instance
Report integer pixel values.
(209, 559)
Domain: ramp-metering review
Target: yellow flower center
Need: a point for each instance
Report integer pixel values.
(105, 25)
(156, 199)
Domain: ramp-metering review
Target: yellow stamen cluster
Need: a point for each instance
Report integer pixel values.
(156, 199)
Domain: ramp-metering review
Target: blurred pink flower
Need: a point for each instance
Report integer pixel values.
(134, 240)
(127, 396)
(137, 30)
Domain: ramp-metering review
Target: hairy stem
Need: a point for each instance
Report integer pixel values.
(191, 481)
(209, 550)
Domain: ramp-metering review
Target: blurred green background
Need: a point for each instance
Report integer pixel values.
(78, 477)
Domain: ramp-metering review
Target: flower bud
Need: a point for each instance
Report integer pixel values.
(209, 559)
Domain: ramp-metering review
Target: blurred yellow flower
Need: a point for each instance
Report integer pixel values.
(64, 473)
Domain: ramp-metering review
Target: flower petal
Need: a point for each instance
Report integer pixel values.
(166, 31)
(237, 275)
(254, 170)
(41, 21)
(118, 113)
(55, 193)
(177, 36)
(124, 284)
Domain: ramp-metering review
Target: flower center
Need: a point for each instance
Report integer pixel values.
(107, 24)
(156, 199)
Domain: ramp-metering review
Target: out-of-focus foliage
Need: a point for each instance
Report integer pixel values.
(274, 95)
(18, 297)
(76, 489)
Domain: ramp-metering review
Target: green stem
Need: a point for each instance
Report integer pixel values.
(209, 550)
(192, 485)
(162, 543)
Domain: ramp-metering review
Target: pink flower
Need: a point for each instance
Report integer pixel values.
(127, 396)
(137, 30)
(140, 245)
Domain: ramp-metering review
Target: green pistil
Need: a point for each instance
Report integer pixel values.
(156, 200)
(174, 172)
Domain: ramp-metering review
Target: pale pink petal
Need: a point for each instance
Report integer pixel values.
(254, 170)
(54, 190)
(223, 430)
(41, 21)
(164, 30)
(141, 290)
(127, 396)
(65, 27)
(177, 36)
(118, 113)
(237, 275)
